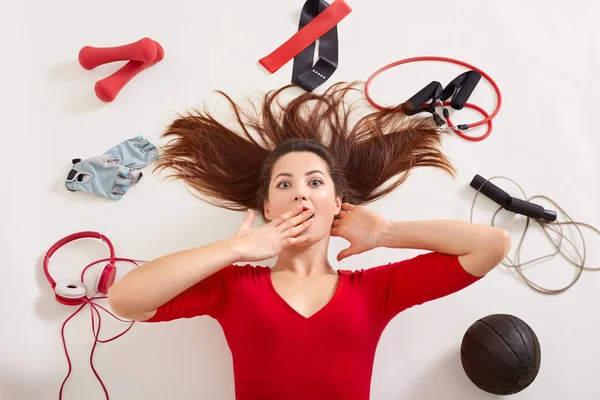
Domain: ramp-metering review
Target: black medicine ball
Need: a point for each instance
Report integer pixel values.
(500, 354)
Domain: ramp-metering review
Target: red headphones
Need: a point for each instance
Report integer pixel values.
(74, 292)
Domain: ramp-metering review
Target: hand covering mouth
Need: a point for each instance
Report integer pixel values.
(306, 208)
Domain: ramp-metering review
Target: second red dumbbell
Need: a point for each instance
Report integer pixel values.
(140, 54)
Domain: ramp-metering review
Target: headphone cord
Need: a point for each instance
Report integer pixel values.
(546, 226)
(96, 332)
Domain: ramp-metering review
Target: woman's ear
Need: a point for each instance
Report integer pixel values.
(338, 205)
(266, 210)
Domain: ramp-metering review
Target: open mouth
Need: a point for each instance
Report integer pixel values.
(306, 208)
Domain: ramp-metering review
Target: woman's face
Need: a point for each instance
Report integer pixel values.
(303, 178)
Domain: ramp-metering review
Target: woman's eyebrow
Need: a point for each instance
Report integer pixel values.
(306, 174)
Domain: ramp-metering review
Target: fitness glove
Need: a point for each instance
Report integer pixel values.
(101, 176)
(136, 152)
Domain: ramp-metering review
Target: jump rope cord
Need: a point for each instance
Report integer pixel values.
(96, 332)
(487, 118)
(546, 226)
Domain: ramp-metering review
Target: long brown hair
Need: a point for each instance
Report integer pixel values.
(232, 168)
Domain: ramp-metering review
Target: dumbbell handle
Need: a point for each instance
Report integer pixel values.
(143, 50)
(107, 89)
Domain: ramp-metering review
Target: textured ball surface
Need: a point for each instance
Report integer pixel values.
(500, 354)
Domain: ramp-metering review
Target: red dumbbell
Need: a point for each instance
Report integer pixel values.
(143, 50)
(108, 88)
(141, 54)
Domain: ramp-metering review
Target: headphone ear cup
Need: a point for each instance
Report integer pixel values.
(106, 278)
(70, 292)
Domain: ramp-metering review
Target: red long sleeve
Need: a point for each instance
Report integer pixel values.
(279, 354)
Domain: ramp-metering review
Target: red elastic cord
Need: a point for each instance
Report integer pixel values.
(487, 117)
(316, 28)
(96, 332)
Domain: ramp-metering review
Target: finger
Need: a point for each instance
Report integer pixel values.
(336, 223)
(249, 220)
(335, 232)
(345, 253)
(296, 240)
(286, 216)
(250, 217)
(348, 206)
(246, 224)
(343, 214)
(296, 230)
(296, 220)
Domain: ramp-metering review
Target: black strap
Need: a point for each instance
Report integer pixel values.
(304, 74)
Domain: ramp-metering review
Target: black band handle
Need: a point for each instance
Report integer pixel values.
(461, 88)
(429, 92)
(466, 89)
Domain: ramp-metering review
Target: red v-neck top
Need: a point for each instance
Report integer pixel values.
(279, 354)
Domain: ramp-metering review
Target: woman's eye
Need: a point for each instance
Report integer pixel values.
(312, 183)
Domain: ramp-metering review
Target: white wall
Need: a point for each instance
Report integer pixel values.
(544, 56)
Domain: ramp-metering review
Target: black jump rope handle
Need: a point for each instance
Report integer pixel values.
(512, 204)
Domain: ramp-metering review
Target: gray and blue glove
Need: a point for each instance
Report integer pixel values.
(136, 152)
(101, 176)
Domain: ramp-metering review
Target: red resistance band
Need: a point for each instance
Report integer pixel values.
(431, 106)
(309, 34)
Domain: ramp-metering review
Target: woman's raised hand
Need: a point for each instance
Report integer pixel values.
(257, 244)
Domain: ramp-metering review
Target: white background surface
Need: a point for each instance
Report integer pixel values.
(544, 56)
